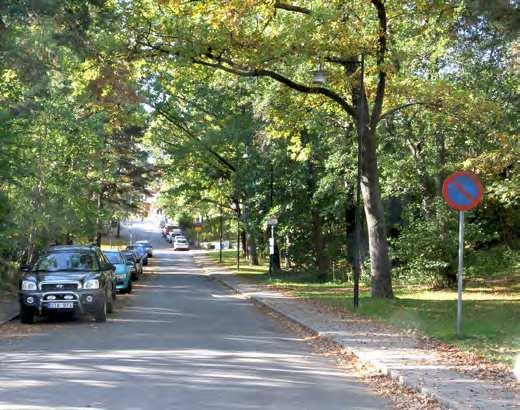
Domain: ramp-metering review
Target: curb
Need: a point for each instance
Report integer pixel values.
(393, 374)
(9, 318)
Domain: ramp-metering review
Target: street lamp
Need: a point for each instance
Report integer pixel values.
(236, 208)
(319, 76)
(221, 220)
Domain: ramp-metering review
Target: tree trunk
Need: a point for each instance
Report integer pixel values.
(251, 247)
(373, 204)
(243, 239)
(118, 232)
(322, 261)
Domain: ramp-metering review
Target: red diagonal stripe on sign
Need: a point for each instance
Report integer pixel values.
(463, 191)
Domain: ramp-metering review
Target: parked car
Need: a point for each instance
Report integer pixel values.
(141, 252)
(173, 233)
(147, 246)
(181, 244)
(68, 278)
(174, 238)
(123, 271)
(167, 229)
(132, 258)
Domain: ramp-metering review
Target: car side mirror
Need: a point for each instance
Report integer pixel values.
(111, 266)
(25, 268)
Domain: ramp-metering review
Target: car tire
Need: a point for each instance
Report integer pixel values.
(110, 305)
(114, 292)
(145, 262)
(101, 313)
(26, 315)
(129, 287)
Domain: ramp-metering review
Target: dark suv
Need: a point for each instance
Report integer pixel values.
(68, 279)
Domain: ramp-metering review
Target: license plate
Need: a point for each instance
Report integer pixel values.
(60, 305)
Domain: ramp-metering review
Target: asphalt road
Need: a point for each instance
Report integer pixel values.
(180, 341)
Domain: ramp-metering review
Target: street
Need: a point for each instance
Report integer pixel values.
(180, 341)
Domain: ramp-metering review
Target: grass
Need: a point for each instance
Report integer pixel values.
(113, 244)
(490, 312)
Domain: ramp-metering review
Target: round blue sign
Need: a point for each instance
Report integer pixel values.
(462, 191)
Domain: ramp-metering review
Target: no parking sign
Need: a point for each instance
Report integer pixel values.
(462, 191)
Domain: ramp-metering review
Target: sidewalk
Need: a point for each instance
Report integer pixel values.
(8, 307)
(393, 352)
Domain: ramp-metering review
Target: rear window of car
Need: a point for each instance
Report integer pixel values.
(130, 256)
(180, 240)
(114, 257)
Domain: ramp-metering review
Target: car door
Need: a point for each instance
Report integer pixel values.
(107, 271)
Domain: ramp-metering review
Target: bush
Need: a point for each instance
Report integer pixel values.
(426, 249)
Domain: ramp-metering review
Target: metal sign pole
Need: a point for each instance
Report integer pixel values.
(238, 243)
(460, 271)
(221, 234)
(271, 252)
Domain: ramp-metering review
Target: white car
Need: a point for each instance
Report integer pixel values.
(181, 244)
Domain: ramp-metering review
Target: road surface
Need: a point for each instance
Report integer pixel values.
(180, 341)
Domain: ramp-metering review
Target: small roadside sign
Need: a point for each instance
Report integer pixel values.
(462, 191)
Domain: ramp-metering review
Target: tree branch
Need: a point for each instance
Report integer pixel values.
(381, 52)
(184, 129)
(233, 68)
(290, 7)
(410, 104)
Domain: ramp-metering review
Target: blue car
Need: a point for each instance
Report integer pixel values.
(123, 271)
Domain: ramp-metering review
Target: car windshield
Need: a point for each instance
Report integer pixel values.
(114, 257)
(66, 261)
(130, 257)
(143, 243)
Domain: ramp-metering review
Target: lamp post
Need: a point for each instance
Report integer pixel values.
(238, 241)
(221, 223)
(272, 222)
(220, 233)
(319, 77)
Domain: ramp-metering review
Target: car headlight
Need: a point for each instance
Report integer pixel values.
(28, 285)
(91, 284)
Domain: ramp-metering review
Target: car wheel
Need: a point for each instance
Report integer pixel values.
(101, 314)
(110, 305)
(129, 287)
(26, 315)
(145, 262)
(114, 292)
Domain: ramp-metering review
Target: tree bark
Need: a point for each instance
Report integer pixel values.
(252, 250)
(322, 261)
(371, 192)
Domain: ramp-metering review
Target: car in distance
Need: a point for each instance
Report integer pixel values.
(136, 268)
(141, 253)
(147, 247)
(181, 244)
(123, 271)
(68, 278)
(167, 229)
